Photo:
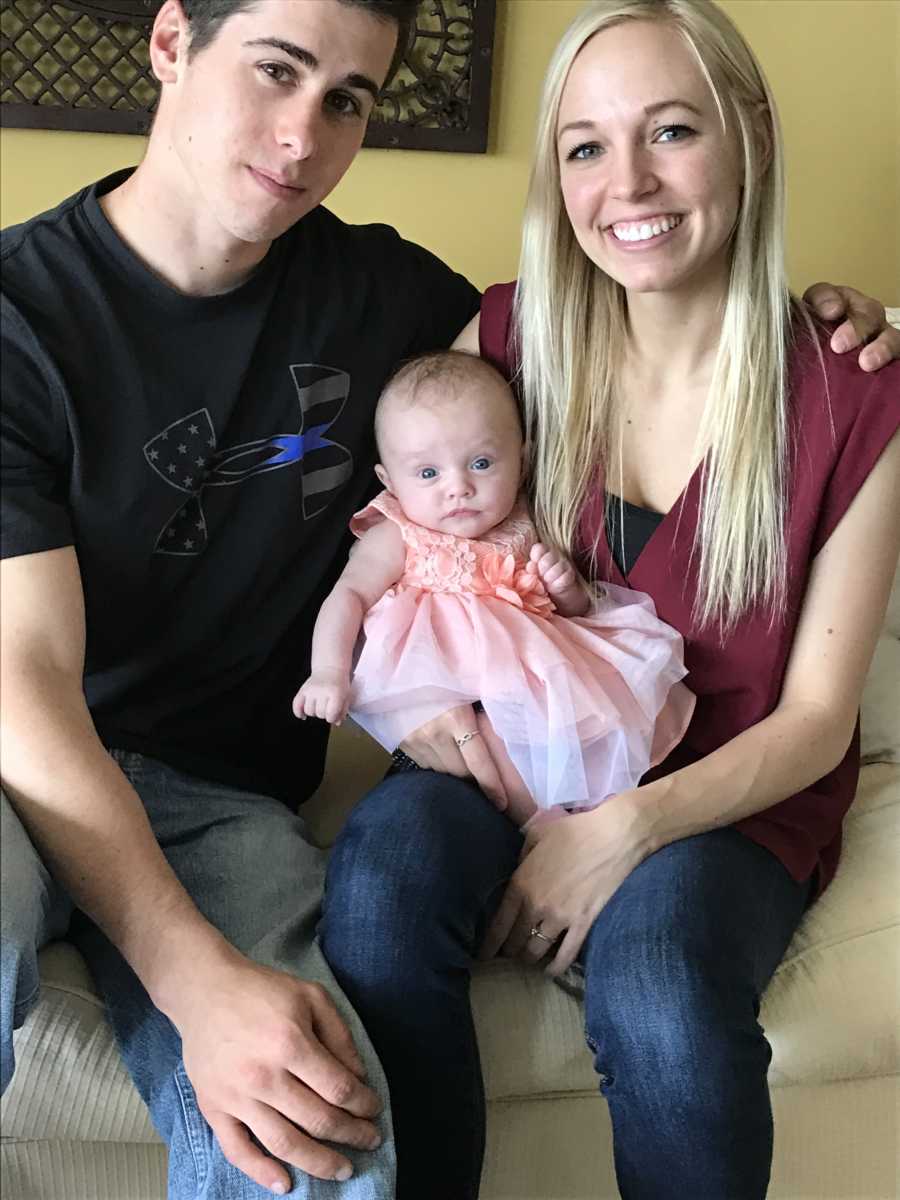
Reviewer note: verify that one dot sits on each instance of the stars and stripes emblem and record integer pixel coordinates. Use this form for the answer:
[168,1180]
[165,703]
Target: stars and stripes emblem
[187,456]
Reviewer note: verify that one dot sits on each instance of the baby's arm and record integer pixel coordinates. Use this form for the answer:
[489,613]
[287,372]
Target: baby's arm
[375,564]
[563,583]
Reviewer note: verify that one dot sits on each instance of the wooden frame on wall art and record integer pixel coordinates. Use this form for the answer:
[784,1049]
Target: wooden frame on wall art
[84,65]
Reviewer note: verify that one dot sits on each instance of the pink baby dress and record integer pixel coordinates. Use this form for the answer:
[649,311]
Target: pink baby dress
[584,705]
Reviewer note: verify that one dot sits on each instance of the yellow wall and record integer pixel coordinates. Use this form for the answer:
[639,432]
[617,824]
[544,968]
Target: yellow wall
[834,66]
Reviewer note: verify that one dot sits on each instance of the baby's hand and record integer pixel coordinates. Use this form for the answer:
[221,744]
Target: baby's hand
[560,578]
[325,695]
[557,573]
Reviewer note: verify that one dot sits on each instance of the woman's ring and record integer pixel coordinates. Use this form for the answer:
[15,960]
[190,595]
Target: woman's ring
[465,737]
[536,932]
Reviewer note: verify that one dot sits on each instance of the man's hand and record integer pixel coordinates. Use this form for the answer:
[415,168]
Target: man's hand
[866,324]
[269,1056]
[326,695]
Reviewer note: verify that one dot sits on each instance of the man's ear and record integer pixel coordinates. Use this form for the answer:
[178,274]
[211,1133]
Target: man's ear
[383,478]
[169,41]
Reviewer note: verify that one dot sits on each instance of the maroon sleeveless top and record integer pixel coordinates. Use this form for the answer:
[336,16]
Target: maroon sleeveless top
[739,683]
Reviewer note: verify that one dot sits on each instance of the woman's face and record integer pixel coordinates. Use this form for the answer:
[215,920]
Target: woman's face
[650,180]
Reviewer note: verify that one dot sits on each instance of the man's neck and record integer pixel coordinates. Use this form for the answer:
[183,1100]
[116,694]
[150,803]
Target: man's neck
[160,223]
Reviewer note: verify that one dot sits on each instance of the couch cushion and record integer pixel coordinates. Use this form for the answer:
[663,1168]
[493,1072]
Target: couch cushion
[70,1082]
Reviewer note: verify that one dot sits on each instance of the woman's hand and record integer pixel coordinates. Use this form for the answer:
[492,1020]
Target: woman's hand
[866,324]
[462,742]
[568,871]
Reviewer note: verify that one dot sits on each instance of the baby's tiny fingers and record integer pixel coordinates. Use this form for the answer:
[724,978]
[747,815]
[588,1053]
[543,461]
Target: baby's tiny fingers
[557,573]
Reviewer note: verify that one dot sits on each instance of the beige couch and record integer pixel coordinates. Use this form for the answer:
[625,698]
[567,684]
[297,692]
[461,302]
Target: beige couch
[73,1127]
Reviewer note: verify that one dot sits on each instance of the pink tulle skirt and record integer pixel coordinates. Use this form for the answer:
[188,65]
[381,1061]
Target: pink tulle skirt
[584,705]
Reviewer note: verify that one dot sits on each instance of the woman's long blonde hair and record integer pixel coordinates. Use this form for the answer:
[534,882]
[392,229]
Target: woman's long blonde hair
[570,323]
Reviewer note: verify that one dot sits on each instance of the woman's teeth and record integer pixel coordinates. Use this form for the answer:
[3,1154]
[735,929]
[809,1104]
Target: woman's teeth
[642,231]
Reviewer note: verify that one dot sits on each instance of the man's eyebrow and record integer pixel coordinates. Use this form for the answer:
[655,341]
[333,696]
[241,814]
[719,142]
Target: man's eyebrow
[649,111]
[354,80]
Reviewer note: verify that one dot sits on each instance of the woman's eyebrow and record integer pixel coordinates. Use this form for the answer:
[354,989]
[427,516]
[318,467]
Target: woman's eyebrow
[308,59]
[649,111]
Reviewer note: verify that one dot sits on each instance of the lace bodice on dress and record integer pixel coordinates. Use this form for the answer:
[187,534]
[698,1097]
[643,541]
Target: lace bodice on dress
[443,562]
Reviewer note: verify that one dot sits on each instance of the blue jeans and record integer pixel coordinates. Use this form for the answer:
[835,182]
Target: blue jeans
[247,863]
[675,966]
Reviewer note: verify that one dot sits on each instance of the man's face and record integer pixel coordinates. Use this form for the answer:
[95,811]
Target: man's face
[268,117]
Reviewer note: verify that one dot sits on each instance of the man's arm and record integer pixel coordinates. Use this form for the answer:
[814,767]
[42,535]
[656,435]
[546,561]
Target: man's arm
[266,1053]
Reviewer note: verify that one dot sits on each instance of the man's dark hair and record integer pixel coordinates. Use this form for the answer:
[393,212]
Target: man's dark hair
[206,18]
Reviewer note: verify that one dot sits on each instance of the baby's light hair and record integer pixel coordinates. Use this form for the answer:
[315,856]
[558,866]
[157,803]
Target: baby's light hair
[450,369]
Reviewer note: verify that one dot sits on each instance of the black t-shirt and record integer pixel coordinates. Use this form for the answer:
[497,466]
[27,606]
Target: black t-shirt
[204,456]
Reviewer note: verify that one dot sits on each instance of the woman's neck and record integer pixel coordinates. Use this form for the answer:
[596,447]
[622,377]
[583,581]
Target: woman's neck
[674,336]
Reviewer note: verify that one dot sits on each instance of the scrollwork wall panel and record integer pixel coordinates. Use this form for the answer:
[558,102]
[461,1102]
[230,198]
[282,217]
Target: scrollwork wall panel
[84,64]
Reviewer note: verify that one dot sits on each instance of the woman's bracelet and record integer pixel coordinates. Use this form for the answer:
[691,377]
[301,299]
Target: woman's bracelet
[402,762]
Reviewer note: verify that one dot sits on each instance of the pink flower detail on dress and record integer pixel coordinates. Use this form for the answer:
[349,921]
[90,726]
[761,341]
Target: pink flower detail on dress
[502,577]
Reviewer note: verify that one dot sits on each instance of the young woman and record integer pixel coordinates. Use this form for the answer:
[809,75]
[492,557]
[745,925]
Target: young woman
[694,437]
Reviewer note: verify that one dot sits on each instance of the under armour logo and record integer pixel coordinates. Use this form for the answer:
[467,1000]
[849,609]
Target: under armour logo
[187,457]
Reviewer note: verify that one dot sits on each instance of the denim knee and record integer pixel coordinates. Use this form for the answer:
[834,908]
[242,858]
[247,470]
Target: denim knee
[419,862]
[667,1013]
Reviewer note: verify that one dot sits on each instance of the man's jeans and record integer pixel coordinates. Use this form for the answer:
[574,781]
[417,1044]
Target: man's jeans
[675,966]
[247,864]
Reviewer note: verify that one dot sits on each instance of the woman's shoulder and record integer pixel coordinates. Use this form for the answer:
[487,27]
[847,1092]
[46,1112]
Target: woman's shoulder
[843,418]
[495,327]
[834,402]
[818,372]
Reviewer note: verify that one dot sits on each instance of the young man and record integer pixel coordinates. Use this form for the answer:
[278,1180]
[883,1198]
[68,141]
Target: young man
[191,356]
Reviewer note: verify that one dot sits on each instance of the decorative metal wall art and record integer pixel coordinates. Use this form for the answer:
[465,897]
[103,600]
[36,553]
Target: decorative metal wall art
[84,64]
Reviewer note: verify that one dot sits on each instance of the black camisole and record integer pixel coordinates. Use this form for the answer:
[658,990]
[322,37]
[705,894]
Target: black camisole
[638,527]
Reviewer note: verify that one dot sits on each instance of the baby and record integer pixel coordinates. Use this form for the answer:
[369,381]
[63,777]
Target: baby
[459,602]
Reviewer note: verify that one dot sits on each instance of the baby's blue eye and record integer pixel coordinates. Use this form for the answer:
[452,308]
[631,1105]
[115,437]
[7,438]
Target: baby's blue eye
[481,464]
[428,473]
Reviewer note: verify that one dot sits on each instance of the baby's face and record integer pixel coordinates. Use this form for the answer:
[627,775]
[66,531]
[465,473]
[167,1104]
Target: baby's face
[454,460]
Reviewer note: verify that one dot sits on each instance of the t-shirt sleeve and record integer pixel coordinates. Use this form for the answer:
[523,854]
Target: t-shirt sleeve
[495,327]
[442,300]
[866,409]
[33,444]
